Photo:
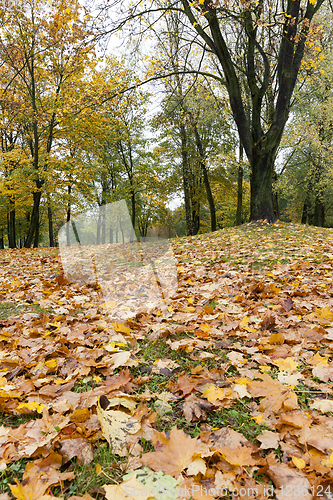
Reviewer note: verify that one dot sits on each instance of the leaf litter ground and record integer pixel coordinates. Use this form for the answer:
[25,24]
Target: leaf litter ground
[226,392]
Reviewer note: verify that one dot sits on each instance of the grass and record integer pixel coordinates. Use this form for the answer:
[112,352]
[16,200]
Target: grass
[237,417]
[106,468]
[13,471]
[8,309]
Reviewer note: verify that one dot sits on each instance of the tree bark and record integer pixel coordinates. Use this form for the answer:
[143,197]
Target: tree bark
[209,193]
[275,197]
[34,219]
[11,229]
[68,216]
[319,212]
[50,219]
[239,211]
[190,216]
[261,204]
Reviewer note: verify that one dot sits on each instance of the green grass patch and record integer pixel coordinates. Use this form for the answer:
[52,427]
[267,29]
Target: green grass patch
[12,472]
[8,309]
[88,479]
[238,418]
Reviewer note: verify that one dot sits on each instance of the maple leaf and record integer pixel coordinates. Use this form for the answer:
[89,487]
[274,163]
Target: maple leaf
[174,453]
[275,395]
[241,456]
[288,479]
[36,481]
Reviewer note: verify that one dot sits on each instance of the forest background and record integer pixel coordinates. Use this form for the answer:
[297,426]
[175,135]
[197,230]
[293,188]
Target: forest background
[201,116]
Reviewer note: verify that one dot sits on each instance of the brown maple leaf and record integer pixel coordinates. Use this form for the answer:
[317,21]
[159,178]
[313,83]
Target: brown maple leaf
[175,453]
[241,456]
[275,395]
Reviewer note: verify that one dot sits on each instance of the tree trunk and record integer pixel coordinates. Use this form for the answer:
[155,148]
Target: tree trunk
[34,219]
[262,166]
[275,197]
[36,239]
[68,216]
[11,229]
[2,246]
[319,213]
[50,218]
[305,212]
[240,173]
[191,209]
[206,179]
[133,214]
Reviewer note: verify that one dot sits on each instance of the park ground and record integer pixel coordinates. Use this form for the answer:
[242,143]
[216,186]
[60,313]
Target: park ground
[228,390]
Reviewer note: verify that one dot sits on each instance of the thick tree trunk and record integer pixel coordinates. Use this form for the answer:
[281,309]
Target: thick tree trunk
[261,204]
[275,197]
[36,239]
[319,213]
[2,246]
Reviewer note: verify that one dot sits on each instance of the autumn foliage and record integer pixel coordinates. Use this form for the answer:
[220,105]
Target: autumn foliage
[226,390]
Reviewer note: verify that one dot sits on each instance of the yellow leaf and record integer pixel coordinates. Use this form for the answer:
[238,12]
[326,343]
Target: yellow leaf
[51,363]
[319,360]
[32,406]
[298,462]
[259,419]
[98,469]
[276,338]
[114,346]
[204,327]
[119,327]
[214,393]
[324,313]
[287,364]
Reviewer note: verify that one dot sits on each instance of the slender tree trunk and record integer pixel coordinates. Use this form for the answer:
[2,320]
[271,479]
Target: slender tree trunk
[11,229]
[2,246]
[191,206]
[203,167]
[50,218]
[239,211]
[305,212]
[133,207]
[34,219]
[68,216]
